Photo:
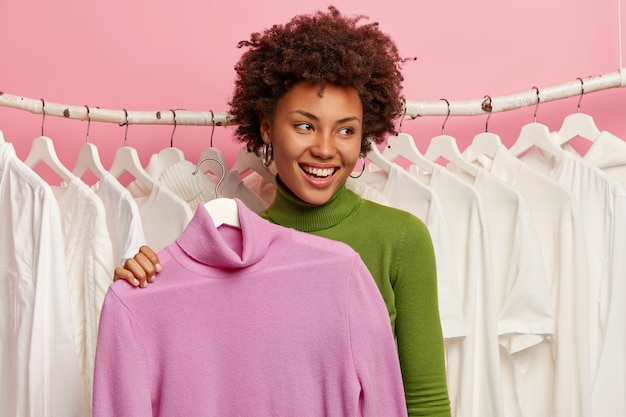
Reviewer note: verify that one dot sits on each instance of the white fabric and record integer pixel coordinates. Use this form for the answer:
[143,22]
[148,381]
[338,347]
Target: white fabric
[122,217]
[473,370]
[522,297]
[164,215]
[552,377]
[40,374]
[607,152]
[89,257]
[178,177]
[403,191]
[603,203]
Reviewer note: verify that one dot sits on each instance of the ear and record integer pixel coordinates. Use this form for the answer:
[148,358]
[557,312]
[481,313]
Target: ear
[265,130]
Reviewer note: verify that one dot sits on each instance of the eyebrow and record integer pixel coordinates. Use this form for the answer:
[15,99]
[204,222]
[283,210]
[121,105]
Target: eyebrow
[314,117]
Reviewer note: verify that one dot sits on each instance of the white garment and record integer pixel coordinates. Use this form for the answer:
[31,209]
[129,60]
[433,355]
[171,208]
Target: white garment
[89,257]
[164,215]
[234,187]
[260,186]
[603,203]
[522,297]
[473,369]
[122,217]
[552,376]
[607,152]
[403,191]
[178,177]
[40,374]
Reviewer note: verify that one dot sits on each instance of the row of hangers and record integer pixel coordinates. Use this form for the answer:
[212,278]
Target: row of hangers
[485,143]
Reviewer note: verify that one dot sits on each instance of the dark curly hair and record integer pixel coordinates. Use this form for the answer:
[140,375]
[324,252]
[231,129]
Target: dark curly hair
[323,48]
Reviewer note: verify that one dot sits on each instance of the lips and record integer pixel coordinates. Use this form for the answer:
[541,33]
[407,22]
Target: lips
[318,173]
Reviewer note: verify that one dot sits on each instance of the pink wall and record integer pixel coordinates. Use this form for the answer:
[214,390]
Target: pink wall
[146,55]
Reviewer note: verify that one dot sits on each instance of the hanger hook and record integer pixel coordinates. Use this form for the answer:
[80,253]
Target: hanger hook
[582,92]
[43,111]
[212,128]
[486,106]
[88,123]
[403,116]
[217,186]
[443,125]
[536,105]
[126,123]
[173,130]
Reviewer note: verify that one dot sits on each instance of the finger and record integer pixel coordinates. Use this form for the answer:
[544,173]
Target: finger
[145,269]
[125,274]
[152,257]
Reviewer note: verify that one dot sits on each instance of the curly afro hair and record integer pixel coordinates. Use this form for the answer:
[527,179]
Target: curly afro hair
[323,48]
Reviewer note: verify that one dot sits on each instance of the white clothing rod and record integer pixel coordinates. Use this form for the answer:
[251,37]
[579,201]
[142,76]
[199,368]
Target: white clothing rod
[413,108]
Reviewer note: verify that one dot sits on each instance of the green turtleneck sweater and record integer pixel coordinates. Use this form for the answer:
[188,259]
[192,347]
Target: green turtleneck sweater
[397,249]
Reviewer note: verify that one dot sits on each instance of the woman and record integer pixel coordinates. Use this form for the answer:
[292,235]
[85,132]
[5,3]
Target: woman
[309,96]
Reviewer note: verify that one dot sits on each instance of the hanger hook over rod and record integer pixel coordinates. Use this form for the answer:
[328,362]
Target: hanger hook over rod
[443,125]
[126,123]
[88,123]
[43,111]
[217,186]
[486,106]
[582,92]
[536,105]
[212,128]
[173,130]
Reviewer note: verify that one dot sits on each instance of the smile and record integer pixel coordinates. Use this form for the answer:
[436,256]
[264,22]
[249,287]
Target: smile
[320,173]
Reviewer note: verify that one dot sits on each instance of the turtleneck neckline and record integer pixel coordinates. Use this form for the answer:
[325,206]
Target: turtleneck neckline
[288,210]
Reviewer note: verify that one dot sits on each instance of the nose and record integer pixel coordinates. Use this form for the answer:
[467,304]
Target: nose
[323,146]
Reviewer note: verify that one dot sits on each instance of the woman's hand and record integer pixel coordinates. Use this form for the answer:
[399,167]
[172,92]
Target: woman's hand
[140,269]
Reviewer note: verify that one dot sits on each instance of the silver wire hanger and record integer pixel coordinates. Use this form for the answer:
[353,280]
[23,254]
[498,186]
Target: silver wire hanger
[222,210]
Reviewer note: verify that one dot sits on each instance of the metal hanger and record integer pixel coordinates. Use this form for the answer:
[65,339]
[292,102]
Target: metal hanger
[222,210]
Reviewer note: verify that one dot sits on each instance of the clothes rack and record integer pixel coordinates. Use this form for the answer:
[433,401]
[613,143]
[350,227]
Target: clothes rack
[615,79]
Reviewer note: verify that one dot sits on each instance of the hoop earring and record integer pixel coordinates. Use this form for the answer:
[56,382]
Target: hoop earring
[268,154]
[362,167]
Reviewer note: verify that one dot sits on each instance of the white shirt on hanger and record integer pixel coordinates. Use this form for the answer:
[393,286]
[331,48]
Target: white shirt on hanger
[603,203]
[122,217]
[40,374]
[473,368]
[89,257]
[403,191]
[164,215]
[552,370]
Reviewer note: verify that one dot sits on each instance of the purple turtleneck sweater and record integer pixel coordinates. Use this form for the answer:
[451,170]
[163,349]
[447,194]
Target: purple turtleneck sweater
[260,320]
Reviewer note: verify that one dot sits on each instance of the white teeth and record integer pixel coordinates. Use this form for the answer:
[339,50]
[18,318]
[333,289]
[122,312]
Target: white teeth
[320,172]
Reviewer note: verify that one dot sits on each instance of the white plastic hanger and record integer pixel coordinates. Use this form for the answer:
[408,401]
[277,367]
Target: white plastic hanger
[535,134]
[578,124]
[376,157]
[403,145]
[1,137]
[222,210]
[88,158]
[42,150]
[445,146]
[249,161]
[171,155]
[126,159]
[484,143]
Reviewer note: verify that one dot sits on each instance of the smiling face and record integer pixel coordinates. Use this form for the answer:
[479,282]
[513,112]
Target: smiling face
[316,140]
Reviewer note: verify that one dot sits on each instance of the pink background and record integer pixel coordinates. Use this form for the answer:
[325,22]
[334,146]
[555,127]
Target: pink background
[147,55]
